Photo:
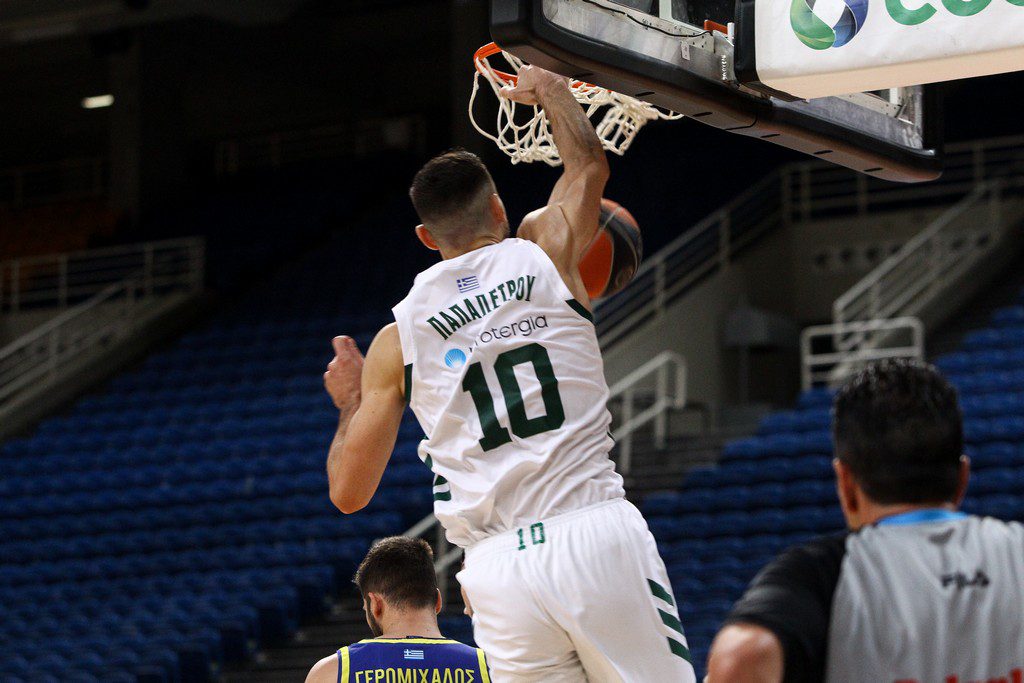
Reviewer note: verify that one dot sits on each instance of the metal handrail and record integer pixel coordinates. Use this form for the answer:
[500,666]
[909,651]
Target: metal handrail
[124,285]
[667,364]
[868,316]
[930,262]
[709,244]
[272,150]
[61,280]
[38,354]
[804,191]
[840,363]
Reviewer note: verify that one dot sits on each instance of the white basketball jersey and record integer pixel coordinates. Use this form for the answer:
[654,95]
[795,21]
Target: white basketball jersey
[504,374]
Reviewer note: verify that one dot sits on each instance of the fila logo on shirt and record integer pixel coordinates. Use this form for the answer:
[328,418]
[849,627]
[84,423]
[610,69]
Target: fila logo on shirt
[959,580]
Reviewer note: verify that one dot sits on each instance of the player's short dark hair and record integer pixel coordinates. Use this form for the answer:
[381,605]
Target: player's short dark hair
[897,425]
[402,570]
[447,187]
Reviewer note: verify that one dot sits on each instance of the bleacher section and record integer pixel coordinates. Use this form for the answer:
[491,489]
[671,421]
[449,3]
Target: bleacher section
[777,489]
[179,519]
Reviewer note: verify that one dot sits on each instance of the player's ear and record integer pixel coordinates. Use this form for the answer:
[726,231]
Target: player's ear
[437,603]
[497,208]
[428,240]
[964,479]
[846,488]
[376,605]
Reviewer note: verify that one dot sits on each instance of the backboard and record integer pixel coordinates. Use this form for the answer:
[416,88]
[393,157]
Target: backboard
[649,49]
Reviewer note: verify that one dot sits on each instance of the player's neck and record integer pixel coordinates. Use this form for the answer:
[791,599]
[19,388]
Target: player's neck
[874,512]
[478,243]
[412,625]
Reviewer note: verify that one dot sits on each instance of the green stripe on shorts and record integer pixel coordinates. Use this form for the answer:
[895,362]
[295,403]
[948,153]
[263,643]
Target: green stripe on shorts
[671,621]
[679,650]
[659,592]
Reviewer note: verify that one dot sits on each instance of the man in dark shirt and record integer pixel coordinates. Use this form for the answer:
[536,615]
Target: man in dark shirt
[916,592]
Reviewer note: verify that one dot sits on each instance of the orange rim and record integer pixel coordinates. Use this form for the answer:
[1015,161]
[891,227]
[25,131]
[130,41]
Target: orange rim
[491,49]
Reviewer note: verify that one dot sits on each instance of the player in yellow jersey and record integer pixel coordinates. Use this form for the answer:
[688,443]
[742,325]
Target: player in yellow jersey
[401,601]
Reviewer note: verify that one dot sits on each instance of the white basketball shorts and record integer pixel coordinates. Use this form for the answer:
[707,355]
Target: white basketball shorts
[582,596]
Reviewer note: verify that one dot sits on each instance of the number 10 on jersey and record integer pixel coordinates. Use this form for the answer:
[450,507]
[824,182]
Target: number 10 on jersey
[522,426]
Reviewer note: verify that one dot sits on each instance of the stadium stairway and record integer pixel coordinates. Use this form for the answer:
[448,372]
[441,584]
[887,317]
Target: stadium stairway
[776,489]
[652,466]
[175,522]
[343,624]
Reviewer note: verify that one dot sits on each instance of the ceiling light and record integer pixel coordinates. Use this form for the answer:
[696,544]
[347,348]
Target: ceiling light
[98,101]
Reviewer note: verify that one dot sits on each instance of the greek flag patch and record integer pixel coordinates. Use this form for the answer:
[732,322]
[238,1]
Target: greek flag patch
[467,284]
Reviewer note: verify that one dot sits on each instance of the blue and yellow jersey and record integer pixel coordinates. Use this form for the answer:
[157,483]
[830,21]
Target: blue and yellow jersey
[411,660]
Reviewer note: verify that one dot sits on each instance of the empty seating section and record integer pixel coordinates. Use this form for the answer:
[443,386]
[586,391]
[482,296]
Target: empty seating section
[776,489]
[179,518]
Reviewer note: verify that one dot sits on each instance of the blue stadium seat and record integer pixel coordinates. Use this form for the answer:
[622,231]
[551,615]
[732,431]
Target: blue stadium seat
[175,519]
[1008,316]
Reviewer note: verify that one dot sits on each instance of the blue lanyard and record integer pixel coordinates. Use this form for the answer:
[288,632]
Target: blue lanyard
[920,517]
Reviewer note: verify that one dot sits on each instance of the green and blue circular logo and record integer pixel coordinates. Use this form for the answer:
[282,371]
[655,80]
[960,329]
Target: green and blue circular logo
[818,35]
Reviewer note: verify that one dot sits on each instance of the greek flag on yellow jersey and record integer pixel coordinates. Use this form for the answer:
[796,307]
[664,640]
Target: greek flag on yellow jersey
[504,374]
[411,660]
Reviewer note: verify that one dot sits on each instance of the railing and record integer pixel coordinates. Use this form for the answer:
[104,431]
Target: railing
[40,355]
[796,192]
[669,371]
[897,338]
[358,138]
[870,317]
[108,312]
[919,272]
[62,280]
[696,253]
[817,190]
[61,181]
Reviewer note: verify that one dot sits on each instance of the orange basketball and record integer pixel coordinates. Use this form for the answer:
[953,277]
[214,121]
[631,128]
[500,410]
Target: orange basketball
[613,257]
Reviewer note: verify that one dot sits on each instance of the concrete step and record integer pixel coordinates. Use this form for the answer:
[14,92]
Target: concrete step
[343,625]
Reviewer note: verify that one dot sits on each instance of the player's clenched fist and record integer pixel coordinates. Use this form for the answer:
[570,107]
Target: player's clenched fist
[344,374]
[531,83]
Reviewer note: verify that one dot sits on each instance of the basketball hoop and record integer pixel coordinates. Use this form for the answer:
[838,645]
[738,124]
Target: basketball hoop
[529,139]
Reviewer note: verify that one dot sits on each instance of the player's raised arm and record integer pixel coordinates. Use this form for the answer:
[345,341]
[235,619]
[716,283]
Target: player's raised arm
[576,197]
[370,401]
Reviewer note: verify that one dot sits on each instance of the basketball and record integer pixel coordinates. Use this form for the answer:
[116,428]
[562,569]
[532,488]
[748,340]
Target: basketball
[614,256]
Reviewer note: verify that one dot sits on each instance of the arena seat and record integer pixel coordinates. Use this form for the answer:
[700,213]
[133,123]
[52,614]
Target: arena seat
[178,519]
[776,488]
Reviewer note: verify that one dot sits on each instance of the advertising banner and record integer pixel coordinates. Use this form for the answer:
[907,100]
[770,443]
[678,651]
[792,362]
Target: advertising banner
[819,48]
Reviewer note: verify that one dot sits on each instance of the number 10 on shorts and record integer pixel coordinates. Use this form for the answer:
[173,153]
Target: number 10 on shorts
[536,535]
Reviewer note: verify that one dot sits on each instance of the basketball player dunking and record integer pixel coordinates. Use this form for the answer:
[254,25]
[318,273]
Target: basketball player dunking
[495,350]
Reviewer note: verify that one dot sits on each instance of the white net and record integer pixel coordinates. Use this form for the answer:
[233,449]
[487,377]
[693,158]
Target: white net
[523,131]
